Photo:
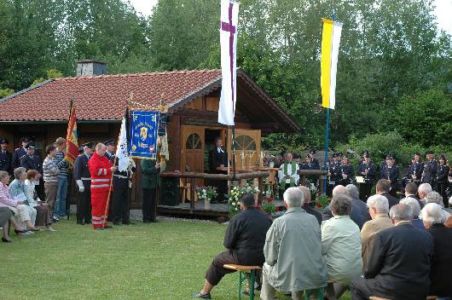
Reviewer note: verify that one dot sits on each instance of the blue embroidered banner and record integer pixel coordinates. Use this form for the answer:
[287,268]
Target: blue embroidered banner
[143,134]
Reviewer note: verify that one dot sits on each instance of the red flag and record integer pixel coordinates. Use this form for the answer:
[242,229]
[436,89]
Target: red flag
[71,138]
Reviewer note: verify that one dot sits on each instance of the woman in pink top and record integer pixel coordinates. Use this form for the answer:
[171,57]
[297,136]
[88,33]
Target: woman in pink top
[7,201]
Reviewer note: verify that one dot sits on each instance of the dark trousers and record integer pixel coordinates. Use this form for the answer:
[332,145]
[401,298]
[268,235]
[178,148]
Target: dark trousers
[149,205]
[84,206]
[364,191]
[216,270]
[120,205]
[442,187]
[361,290]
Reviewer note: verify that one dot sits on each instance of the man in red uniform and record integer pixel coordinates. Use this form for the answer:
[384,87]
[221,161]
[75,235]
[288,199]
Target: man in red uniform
[100,169]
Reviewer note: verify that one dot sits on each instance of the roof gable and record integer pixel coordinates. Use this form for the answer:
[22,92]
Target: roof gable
[105,97]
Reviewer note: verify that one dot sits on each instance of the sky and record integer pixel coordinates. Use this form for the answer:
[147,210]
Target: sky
[443,11]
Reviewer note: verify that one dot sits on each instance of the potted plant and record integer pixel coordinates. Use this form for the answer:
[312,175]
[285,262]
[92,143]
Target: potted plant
[206,193]
[322,201]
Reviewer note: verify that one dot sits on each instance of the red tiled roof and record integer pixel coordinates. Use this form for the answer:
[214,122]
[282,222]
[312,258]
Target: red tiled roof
[104,97]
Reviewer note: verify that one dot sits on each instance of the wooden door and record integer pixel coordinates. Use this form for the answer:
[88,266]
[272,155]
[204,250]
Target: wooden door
[248,148]
[192,150]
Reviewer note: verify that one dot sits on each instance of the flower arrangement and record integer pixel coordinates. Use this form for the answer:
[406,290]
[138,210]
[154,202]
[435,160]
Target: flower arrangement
[236,193]
[206,193]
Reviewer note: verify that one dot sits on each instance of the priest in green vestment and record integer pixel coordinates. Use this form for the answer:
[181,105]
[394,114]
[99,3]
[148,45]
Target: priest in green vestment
[288,173]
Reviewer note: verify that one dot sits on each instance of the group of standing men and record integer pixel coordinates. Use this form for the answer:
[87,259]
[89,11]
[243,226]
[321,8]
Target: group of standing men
[341,172]
[96,176]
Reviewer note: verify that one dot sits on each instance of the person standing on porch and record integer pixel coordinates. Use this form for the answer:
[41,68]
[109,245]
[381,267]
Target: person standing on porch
[100,169]
[218,159]
[150,170]
[288,173]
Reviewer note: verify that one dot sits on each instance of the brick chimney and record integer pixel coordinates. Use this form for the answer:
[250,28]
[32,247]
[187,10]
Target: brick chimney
[91,67]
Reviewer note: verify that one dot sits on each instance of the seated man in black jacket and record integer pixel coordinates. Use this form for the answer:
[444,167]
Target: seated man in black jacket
[398,263]
[244,241]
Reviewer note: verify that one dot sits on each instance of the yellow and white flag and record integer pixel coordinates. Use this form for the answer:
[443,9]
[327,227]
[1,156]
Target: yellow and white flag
[331,36]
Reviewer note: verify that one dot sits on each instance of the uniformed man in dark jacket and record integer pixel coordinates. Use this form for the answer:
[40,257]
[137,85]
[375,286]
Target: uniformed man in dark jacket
[347,172]
[6,158]
[430,169]
[368,171]
[111,151]
[20,152]
[335,172]
[120,200]
[244,241]
[150,181]
[390,172]
[415,169]
[442,178]
[31,161]
[83,179]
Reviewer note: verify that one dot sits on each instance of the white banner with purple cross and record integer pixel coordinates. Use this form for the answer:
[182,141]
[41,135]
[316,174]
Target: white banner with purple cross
[228,42]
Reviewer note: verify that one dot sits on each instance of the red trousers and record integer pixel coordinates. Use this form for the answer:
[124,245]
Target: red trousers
[99,198]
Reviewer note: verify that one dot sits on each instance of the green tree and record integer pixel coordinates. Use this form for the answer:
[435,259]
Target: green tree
[425,118]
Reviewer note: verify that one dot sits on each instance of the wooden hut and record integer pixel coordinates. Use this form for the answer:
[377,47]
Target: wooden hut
[191,99]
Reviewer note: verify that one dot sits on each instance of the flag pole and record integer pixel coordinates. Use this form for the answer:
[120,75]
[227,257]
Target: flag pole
[114,162]
[327,128]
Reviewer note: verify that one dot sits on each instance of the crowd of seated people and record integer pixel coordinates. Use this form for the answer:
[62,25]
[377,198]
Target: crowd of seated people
[391,250]
[20,205]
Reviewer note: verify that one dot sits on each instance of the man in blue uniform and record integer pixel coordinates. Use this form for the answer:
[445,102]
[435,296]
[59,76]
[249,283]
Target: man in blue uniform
[6,157]
[368,171]
[20,152]
[335,173]
[83,179]
[390,172]
[430,169]
[347,172]
[415,169]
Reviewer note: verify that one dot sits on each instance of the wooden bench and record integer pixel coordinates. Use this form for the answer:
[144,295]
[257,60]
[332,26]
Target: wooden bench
[243,271]
[381,298]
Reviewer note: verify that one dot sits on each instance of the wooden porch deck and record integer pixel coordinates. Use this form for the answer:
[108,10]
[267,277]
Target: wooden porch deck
[214,210]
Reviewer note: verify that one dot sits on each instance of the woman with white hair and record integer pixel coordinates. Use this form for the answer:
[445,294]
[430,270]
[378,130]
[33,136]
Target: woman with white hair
[433,219]
[17,191]
[416,210]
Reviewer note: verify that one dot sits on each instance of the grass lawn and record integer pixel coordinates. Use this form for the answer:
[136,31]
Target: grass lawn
[166,260]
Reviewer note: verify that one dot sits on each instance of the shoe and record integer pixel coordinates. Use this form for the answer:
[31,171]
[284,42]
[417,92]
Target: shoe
[18,232]
[49,228]
[6,240]
[202,296]
[35,229]
[55,220]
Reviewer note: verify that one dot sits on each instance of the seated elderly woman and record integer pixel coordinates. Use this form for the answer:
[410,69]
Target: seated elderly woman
[435,197]
[433,219]
[17,191]
[15,206]
[416,210]
[42,211]
[341,246]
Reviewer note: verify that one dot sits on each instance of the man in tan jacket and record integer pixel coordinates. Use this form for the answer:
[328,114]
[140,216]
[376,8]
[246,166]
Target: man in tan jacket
[378,209]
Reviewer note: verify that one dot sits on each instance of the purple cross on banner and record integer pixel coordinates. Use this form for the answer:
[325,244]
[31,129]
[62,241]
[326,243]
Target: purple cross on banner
[229,19]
